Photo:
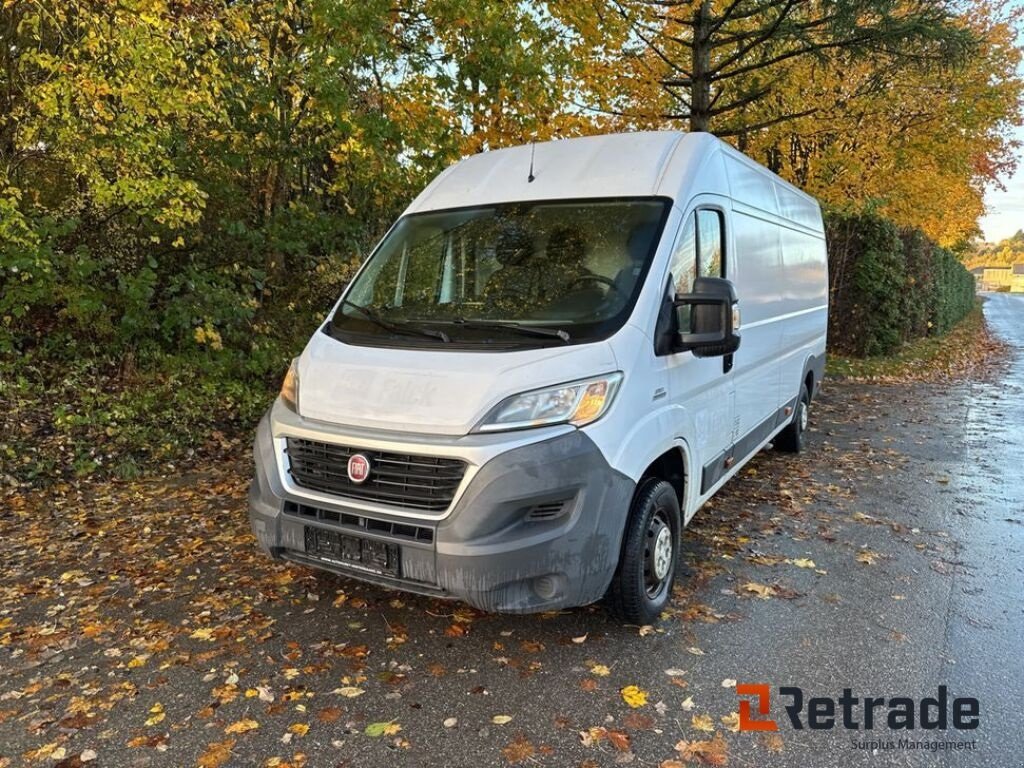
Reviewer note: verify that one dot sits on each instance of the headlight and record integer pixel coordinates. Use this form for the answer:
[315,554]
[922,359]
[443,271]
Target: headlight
[290,386]
[578,402]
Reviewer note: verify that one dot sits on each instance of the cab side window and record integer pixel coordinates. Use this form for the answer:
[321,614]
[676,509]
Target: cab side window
[710,230]
[700,249]
[683,265]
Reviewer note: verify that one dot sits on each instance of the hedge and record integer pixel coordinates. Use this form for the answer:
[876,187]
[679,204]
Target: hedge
[889,285]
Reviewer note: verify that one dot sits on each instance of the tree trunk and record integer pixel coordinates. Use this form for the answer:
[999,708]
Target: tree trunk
[700,91]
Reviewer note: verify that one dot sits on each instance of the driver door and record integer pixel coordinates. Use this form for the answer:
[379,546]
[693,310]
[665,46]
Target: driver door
[703,388]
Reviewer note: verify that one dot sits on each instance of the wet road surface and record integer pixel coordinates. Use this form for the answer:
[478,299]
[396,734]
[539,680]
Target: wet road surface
[138,626]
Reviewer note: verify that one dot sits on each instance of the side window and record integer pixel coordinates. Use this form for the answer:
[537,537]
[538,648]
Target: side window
[683,265]
[710,229]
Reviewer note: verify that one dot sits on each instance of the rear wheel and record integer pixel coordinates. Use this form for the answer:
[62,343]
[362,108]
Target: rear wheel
[791,439]
[642,584]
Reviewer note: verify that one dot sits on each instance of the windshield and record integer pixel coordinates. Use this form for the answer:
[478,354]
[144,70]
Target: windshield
[527,274]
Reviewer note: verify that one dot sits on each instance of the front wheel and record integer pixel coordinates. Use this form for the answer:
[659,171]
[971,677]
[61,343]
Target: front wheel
[642,584]
[791,439]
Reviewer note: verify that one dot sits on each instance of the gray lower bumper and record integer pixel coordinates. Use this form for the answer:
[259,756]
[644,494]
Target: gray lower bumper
[538,528]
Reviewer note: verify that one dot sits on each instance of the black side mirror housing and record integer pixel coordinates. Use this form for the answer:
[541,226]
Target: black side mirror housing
[705,318]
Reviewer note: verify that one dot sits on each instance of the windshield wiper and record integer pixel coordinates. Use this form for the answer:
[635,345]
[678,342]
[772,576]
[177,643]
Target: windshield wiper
[387,325]
[526,330]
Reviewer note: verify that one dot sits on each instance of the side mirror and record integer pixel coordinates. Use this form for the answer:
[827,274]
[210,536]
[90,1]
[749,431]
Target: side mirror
[705,318]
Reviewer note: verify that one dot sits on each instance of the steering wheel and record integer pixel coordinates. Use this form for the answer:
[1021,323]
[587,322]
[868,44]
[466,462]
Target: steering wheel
[607,281]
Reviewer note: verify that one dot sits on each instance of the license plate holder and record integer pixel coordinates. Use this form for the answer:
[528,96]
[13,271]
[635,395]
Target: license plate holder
[368,555]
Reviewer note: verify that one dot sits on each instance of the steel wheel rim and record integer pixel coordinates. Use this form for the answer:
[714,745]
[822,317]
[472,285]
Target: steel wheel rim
[659,554]
[803,416]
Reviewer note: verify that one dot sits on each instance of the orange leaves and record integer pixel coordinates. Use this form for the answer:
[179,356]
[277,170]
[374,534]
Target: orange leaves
[518,750]
[638,721]
[216,754]
[714,752]
[618,739]
[867,557]
[242,726]
[761,590]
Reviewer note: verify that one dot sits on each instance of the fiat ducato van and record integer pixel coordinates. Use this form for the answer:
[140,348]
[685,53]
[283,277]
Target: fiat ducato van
[555,356]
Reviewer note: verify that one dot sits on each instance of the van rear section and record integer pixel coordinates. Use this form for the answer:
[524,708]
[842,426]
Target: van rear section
[549,363]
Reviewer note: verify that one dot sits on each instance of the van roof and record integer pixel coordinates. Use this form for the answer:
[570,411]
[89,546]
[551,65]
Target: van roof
[640,164]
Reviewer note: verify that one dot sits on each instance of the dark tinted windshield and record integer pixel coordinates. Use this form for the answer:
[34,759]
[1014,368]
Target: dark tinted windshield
[526,274]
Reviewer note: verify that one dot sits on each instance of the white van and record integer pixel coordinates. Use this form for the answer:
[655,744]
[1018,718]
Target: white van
[549,363]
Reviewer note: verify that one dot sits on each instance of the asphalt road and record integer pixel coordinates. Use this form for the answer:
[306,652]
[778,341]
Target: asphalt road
[138,627]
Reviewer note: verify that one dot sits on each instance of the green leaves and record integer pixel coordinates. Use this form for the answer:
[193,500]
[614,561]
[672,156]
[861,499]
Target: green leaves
[896,285]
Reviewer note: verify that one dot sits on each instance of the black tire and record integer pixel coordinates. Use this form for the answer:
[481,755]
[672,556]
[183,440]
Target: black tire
[791,439]
[642,584]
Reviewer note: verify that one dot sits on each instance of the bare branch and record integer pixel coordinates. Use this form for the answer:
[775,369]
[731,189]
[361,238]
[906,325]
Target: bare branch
[765,123]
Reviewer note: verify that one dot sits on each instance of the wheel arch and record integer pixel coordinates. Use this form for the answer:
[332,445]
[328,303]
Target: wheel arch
[813,373]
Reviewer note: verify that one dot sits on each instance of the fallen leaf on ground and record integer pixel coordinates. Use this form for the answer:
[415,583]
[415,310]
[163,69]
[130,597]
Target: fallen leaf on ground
[329,715]
[703,723]
[377,730]
[217,754]
[634,696]
[638,721]
[763,591]
[518,750]
[714,752]
[242,726]
[618,739]
[156,713]
[773,742]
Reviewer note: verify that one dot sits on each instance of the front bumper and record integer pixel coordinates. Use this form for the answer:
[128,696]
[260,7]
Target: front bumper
[537,527]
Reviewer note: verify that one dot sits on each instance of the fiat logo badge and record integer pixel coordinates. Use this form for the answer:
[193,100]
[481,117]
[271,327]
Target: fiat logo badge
[358,468]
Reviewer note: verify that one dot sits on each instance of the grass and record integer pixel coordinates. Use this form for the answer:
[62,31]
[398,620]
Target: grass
[964,349]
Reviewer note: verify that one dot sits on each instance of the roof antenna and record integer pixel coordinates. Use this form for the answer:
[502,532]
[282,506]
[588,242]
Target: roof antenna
[533,149]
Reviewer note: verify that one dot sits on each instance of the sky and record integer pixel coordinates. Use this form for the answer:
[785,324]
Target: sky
[1005,208]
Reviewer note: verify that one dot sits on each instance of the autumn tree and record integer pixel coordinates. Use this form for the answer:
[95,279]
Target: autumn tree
[713,59]
[920,144]
[175,172]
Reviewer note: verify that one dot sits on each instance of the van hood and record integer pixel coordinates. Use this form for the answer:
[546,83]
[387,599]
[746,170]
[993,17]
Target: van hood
[431,391]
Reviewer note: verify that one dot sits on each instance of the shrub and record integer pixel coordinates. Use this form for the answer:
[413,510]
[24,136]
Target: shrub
[888,286]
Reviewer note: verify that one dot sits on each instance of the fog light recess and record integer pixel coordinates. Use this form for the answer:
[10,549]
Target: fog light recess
[546,587]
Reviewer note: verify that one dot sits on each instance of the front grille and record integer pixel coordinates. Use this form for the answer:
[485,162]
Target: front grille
[358,523]
[397,479]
